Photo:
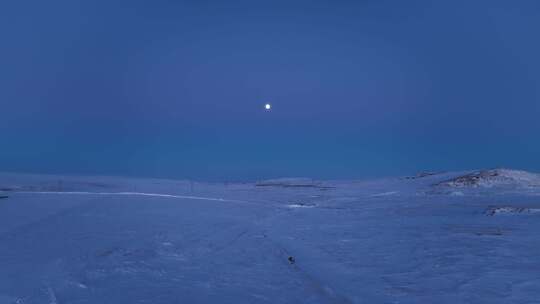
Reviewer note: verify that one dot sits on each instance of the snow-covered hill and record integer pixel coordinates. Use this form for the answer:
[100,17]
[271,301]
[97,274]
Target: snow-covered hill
[117,240]
[296,182]
[494,178]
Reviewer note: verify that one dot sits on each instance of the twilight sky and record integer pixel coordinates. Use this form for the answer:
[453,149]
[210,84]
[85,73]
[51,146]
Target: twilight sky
[359,88]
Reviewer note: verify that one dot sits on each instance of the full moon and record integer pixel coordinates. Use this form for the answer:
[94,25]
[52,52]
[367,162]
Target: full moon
[268,107]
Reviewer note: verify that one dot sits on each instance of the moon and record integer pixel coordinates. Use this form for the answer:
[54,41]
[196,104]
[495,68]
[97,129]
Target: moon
[267,107]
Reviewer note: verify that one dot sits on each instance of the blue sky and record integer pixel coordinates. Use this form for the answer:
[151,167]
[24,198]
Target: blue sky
[358,88]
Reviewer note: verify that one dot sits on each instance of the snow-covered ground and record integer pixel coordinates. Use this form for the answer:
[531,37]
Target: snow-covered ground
[461,237]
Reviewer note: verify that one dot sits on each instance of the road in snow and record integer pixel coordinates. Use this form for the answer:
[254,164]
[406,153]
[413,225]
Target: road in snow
[386,241]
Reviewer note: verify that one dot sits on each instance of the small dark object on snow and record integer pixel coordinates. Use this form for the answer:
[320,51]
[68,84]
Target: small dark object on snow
[291,260]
